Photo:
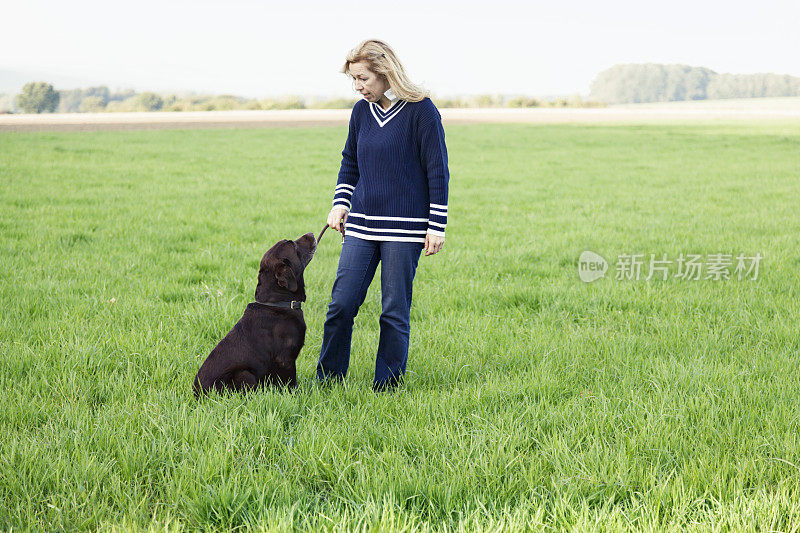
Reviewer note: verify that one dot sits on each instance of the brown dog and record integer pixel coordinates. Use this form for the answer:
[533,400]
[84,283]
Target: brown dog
[263,346]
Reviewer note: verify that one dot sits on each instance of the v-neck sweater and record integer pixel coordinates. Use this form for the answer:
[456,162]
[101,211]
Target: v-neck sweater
[394,177]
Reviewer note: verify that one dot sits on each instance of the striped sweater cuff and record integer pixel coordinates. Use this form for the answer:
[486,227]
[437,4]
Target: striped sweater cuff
[437,219]
[342,195]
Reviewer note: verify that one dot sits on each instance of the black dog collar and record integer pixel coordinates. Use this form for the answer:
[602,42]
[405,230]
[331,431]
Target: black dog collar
[294,304]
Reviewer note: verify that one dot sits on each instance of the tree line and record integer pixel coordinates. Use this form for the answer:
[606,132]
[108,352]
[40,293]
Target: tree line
[653,82]
[42,97]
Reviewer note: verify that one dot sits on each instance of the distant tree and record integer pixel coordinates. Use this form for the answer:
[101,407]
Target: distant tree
[149,102]
[101,92]
[181,104]
[332,103]
[289,102]
[224,102]
[129,104]
[70,100]
[523,101]
[121,96]
[651,82]
[292,102]
[753,86]
[38,97]
[725,86]
[647,82]
[696,83]
[8,103]
[452,102]
[92,104]
[169,101]
[485,100]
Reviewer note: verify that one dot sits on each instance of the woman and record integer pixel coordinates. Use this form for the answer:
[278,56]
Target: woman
[390,201]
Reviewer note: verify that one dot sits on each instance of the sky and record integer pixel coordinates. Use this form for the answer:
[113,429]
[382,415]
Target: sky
[269,49]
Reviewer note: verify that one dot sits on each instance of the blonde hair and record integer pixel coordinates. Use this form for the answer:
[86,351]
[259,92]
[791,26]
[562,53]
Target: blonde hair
[381,60]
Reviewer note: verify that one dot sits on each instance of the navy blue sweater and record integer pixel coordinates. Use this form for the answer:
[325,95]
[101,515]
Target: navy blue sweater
[394,176]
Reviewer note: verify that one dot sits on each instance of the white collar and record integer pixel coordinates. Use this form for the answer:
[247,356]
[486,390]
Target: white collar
[391,96]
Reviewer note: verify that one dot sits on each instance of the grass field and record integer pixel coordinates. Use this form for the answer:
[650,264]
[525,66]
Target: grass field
[533,400]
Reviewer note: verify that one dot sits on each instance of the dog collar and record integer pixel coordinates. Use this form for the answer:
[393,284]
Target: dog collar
[294,304]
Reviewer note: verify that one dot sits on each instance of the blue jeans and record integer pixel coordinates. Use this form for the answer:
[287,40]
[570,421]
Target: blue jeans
[357,264]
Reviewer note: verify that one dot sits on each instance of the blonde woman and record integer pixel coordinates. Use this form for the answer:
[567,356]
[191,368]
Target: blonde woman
[391,203]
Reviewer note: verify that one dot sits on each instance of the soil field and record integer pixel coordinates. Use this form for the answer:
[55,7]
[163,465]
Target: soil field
[667,112]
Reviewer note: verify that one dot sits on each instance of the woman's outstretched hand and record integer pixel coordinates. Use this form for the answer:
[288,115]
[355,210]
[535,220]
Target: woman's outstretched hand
[337,217]
[433,243]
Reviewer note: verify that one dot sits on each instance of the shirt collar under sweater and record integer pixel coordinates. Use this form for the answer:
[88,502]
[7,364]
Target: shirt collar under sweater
[393,99]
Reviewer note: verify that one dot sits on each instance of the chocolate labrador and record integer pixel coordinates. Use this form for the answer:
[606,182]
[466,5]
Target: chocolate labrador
[263,346]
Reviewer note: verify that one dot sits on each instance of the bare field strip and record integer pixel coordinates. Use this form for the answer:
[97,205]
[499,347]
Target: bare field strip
[336,117]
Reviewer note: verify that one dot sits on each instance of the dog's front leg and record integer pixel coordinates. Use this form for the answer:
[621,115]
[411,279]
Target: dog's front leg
[244,380]
[285,374]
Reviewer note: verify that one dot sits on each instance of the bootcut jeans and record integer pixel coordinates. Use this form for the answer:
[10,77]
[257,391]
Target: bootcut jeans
[357,264]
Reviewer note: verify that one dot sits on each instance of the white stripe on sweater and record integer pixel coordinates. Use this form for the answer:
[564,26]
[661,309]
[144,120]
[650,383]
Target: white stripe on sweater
[342,202]
[390,114]
[383,238]
[349,225]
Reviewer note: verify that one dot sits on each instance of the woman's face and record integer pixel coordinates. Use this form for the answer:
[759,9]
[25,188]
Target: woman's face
[367,83]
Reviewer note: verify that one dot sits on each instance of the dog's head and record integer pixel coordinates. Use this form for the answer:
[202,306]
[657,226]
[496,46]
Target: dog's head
[281,269]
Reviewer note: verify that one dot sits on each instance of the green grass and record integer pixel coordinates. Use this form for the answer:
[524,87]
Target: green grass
[533,400]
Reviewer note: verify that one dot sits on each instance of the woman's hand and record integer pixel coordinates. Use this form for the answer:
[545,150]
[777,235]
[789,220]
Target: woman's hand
[337,217]
[433,243]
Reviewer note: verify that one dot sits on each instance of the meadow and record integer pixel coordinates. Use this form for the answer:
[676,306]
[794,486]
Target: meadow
[533,400]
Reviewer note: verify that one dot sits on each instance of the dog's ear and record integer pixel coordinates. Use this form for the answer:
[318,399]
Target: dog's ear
[285,275]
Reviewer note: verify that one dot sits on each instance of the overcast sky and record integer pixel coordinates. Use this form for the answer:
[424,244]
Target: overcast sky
[261,49]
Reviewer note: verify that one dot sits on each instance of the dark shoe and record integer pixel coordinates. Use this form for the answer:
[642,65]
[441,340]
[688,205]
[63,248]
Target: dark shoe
[386,386]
